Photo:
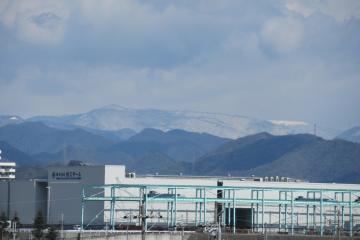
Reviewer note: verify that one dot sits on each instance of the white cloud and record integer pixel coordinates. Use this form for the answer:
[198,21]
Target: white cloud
[41,22]
[340,10]
[283,33]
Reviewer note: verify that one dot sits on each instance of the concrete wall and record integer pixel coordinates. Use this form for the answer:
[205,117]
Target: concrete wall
[26,198]
[114,174]
[41,198]
[66,185]
[3,197]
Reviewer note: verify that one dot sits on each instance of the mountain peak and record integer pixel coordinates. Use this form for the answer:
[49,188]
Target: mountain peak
[261,135]
[9,119]
[148,134]
[114,107]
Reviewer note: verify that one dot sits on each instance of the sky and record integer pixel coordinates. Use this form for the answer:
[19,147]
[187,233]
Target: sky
[284,59]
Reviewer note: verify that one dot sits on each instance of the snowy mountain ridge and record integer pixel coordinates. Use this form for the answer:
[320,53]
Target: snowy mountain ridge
[114,117]
[9,119]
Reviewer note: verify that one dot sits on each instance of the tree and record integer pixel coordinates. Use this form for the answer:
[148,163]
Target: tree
[52,234]
[3,224]
[39,226]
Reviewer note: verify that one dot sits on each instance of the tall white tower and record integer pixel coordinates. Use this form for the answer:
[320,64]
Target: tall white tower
[7,169]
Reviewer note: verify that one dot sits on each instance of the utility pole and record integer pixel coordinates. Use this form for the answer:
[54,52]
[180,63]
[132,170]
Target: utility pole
[65,154]
[265,232]
[13,230]
[62,226]
[48,205]
[127,227]
[143,213]
[338,225]
[219,231]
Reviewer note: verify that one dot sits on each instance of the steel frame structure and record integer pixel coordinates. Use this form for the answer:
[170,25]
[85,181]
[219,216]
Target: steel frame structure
[343,202]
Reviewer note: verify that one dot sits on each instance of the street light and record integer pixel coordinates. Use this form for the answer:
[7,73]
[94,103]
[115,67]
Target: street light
[48,205]
[128,216]
[62,226]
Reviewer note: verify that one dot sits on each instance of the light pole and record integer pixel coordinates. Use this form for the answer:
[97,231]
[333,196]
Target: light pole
[48,205]
[128,216]
[62,226]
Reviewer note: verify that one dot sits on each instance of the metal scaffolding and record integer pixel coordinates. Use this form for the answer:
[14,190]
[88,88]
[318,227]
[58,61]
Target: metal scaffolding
[286,209]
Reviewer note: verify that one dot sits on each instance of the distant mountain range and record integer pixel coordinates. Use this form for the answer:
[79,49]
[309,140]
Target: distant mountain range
[115,118]
[34,145]
[352,135]
[300,156]
[36,137]
[250,152]
[320,161]
[151,149]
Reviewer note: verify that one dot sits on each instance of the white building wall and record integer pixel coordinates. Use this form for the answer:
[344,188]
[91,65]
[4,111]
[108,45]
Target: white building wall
[66,191]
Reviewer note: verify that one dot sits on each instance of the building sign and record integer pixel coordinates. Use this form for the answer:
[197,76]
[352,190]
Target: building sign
[68,175]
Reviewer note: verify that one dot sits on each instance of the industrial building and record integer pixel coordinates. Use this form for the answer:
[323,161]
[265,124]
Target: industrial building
[95,196]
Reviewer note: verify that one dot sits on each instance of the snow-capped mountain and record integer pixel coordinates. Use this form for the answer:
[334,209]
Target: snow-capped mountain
[114,117]
[9,119]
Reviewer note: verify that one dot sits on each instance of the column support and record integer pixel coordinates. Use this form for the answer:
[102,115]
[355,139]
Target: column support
[342,210]
[252,210]
[204,199]
[321,214]
[280,211]
[112,208]
[82,208]
[145,210]
[228,209]
[286,211]
[234,213]
[257,211]
[262,211]
[292,213]
[350,215]
[196,207]
[175,209]
[307,213]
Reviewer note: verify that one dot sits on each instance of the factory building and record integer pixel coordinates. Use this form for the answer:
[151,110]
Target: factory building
[94,196]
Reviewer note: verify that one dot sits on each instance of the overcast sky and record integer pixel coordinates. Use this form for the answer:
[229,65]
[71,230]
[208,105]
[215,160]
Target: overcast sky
[288,60]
